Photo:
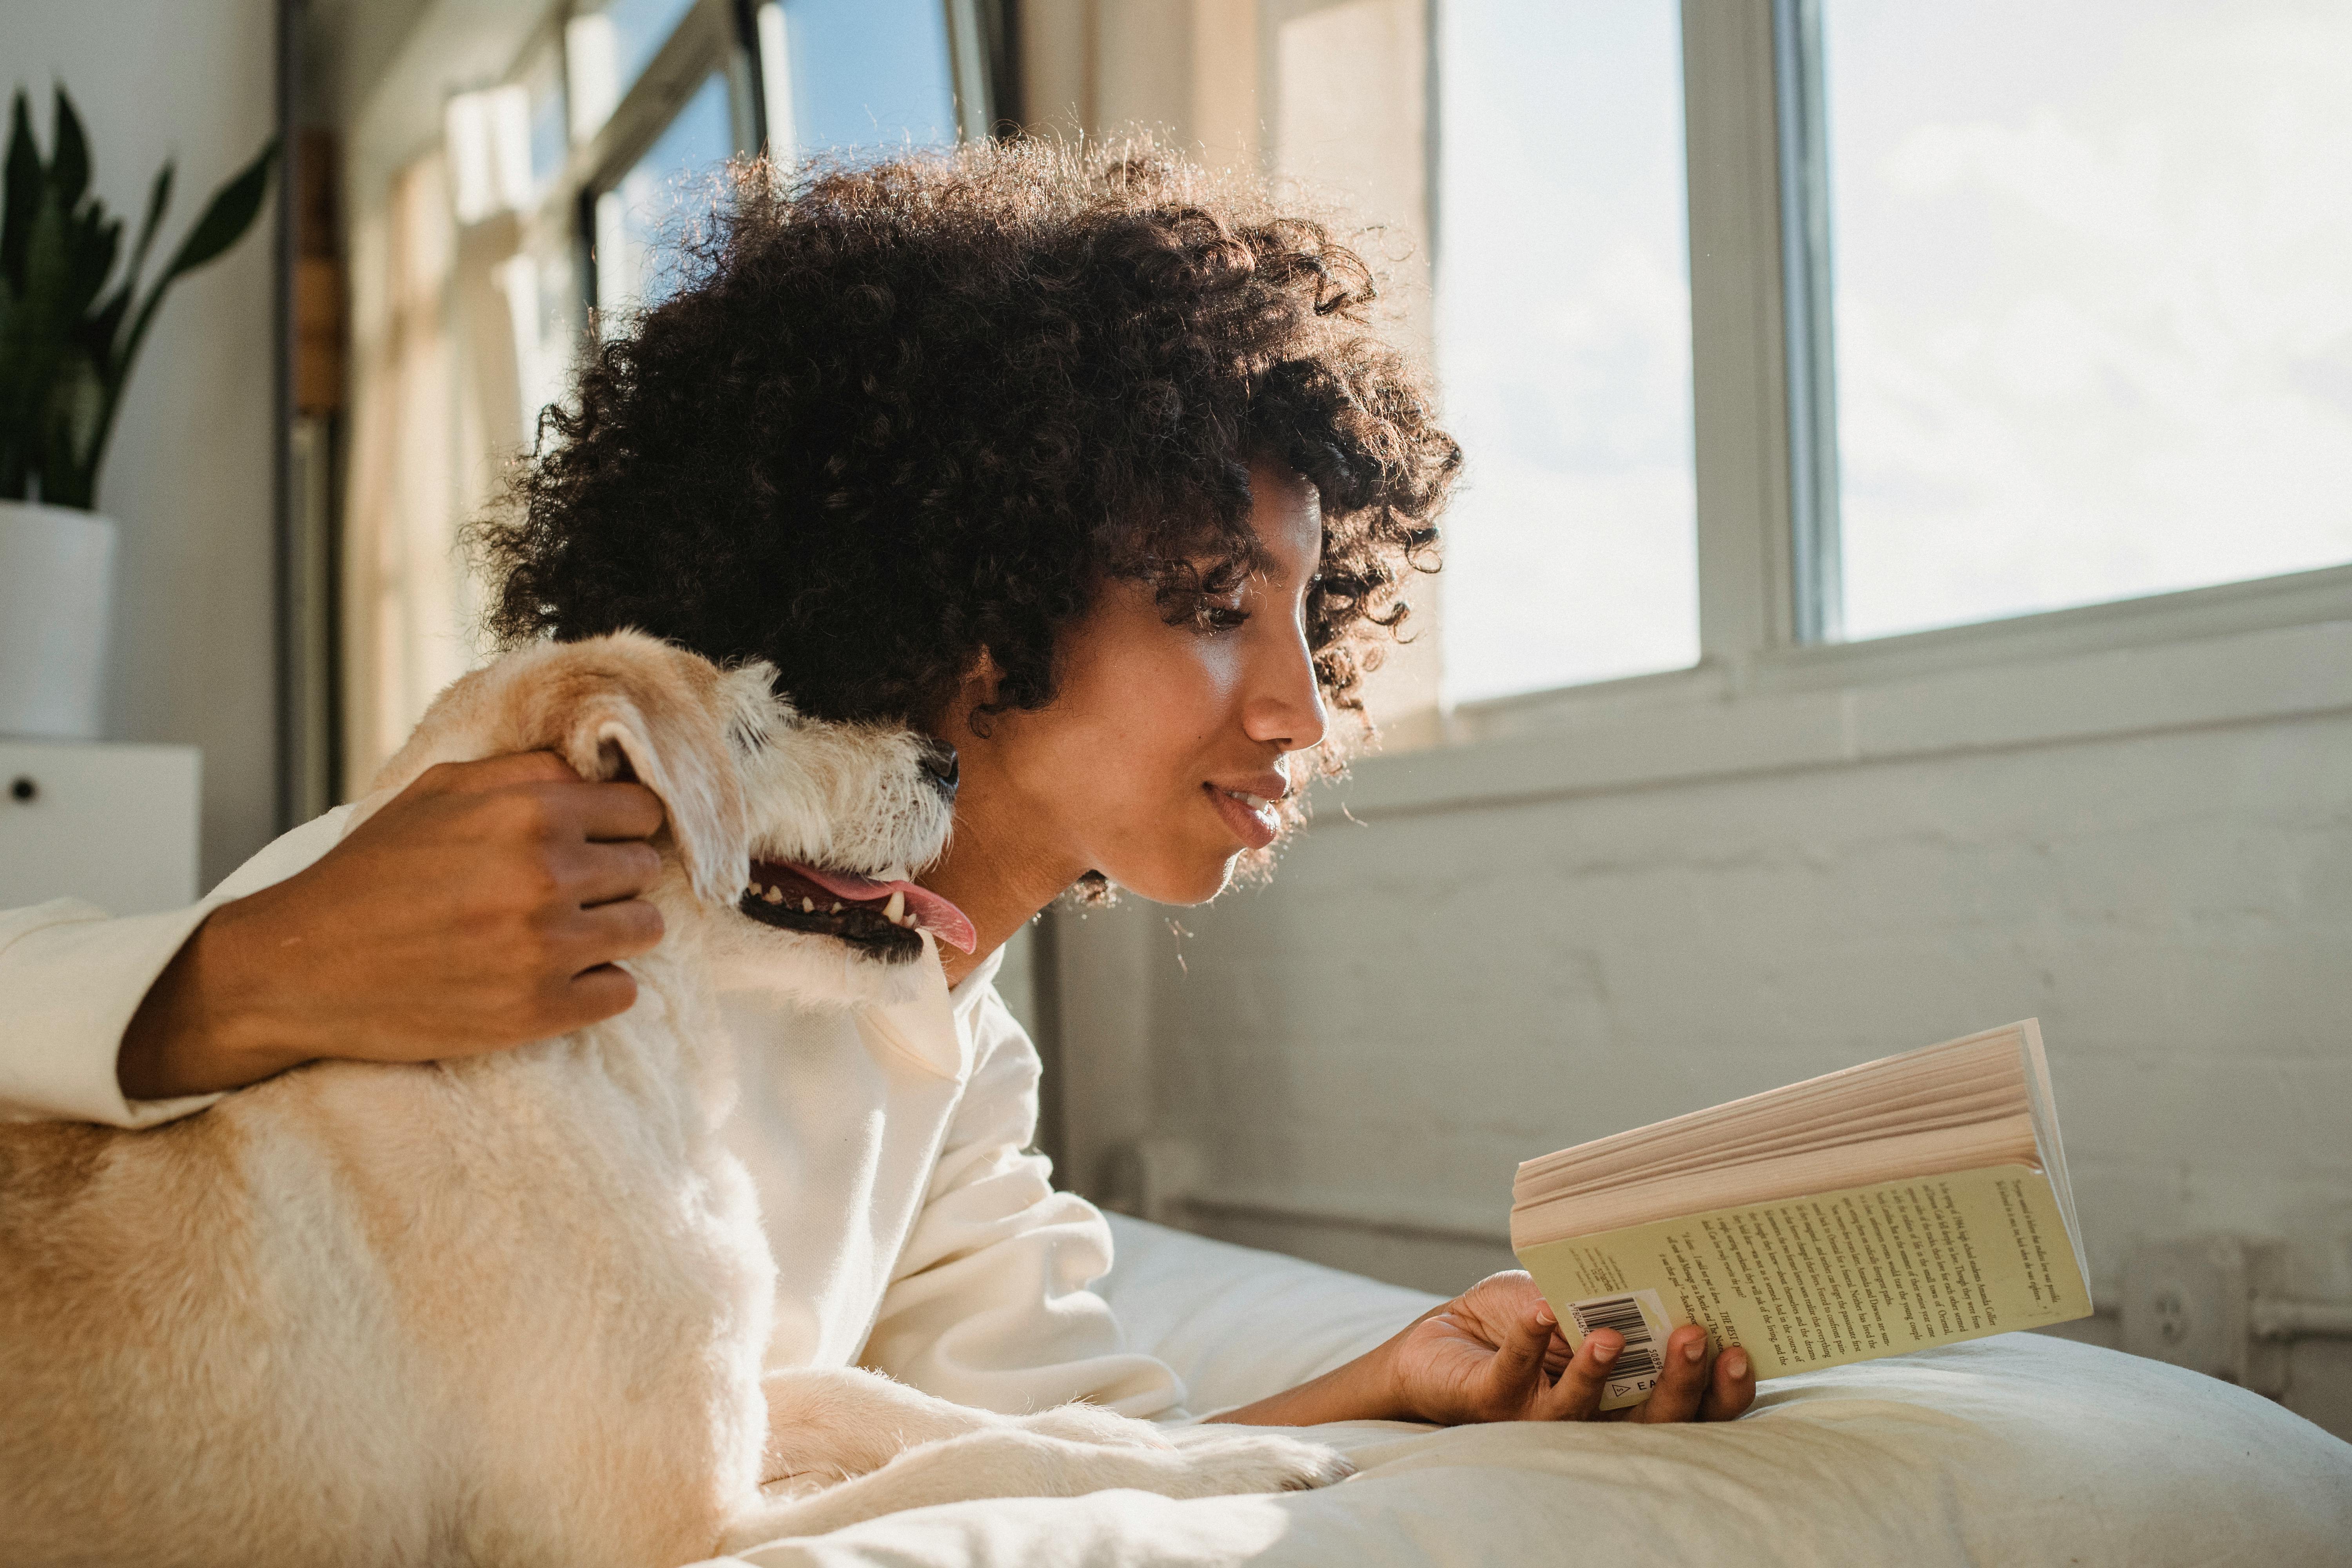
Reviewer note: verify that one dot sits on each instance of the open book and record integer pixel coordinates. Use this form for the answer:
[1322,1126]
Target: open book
[1905,1203]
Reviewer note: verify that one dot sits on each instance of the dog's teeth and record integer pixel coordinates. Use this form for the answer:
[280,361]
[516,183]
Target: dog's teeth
[774,895]
[895,911]
[808,905]
[835,909]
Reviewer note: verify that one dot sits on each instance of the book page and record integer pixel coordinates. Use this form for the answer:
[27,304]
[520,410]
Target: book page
[1838,1276]
[2007,1141]
[1915,1090]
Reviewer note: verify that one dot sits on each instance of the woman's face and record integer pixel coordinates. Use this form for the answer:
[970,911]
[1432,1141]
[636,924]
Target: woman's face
[1160,758]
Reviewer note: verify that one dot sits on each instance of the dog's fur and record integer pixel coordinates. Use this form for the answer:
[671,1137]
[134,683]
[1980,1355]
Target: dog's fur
[510,1309]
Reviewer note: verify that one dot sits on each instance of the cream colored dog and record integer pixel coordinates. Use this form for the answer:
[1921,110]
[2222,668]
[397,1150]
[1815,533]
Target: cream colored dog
[510,1309]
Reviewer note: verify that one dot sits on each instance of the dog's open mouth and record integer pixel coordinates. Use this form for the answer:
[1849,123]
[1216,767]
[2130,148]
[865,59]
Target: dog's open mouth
[884,920]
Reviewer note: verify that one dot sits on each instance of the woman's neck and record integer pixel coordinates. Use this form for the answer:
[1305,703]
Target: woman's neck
[998,869]
[1005,859]
[999,894]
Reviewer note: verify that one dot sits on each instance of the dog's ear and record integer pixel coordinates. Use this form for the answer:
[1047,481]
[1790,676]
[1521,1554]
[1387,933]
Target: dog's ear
[750,707]
[623,706]
[662,723]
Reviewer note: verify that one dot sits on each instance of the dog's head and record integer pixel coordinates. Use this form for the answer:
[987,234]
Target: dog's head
[788,839]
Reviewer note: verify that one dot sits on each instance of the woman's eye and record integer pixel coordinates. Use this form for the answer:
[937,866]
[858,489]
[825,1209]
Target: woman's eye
[1213,616]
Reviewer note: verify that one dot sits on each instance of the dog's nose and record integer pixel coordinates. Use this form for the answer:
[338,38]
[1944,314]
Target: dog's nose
[939,764]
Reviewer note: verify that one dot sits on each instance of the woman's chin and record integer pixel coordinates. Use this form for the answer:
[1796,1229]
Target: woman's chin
[1194,883]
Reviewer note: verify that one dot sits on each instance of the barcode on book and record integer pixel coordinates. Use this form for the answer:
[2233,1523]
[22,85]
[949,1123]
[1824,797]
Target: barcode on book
[1642,1319]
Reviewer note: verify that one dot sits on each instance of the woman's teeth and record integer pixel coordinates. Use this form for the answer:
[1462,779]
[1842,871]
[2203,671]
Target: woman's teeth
[1257,804]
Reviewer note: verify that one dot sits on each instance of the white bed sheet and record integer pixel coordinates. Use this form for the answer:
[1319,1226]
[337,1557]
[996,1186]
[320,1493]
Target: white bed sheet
[2023,1449]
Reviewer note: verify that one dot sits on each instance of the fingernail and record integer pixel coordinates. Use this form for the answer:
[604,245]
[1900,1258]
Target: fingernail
[1545,1317]
[1603,1352]
[1695,1348]
[1735,1363]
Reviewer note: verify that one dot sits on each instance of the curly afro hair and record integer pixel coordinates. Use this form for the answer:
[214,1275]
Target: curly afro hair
[903,413]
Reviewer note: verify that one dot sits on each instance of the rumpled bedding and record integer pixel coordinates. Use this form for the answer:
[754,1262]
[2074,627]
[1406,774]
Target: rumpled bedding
[2021,1449]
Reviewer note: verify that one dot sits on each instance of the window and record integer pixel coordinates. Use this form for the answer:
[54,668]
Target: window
[608,46]
[667,91]
[1563,343]
[2065,318]
[634,267]
[2093,292]
[858,73]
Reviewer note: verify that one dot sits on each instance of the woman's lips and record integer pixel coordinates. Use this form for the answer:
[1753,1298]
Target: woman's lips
[1254,819]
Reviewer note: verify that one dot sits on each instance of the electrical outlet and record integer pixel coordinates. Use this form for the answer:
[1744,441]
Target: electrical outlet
[2189,1302]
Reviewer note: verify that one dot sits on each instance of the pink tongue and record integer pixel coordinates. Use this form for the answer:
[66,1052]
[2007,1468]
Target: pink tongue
[932,912]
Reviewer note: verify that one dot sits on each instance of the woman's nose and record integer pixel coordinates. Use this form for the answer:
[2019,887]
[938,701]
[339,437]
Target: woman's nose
[1287,706]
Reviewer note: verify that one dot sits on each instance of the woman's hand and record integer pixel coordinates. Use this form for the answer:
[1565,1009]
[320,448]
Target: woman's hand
[1496,1353]
[482,908]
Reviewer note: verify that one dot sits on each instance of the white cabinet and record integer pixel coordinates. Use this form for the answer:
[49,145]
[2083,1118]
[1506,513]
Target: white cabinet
[113,824]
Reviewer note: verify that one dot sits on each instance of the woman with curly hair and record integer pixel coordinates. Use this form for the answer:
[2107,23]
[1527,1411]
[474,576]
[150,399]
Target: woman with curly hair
[1090,466]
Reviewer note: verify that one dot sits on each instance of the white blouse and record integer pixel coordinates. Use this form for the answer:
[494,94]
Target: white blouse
[911,1232]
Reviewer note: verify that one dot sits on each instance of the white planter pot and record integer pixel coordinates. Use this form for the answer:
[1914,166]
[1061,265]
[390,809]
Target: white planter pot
[57,610]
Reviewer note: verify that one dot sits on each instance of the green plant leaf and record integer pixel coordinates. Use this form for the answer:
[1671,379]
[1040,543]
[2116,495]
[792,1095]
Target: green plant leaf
[91,246]
[40,316]
[106,324]
[69,159]
[24,181]
[159,196]
[35,341]
[14,437]
[11,368]
[69,429]
[226,218]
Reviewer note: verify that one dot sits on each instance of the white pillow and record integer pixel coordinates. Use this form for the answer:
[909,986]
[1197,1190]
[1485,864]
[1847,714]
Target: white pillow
[2023,1449]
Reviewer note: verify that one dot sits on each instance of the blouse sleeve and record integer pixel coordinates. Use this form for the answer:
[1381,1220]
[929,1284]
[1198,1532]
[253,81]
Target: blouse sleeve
[72,977]
[990,1305]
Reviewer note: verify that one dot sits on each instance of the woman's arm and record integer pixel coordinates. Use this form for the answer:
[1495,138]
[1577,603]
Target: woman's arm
[481,907]
[1496,1353]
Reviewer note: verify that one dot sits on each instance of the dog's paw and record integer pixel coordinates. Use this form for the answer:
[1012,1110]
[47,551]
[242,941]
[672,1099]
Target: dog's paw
[1083,1423]
[1260,1462]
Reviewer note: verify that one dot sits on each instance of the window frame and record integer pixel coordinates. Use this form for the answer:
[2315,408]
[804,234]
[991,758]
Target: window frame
[745,39]
[1773,689]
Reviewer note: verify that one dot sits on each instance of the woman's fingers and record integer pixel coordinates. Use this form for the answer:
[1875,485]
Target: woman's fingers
[1732,1389]
[1577,1395]
[1516,1370]
[594,995]
[603,872]
[622,929]
[607,812]
[1682,1378]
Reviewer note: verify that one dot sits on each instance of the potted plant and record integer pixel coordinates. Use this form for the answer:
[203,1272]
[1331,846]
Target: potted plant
[68,344]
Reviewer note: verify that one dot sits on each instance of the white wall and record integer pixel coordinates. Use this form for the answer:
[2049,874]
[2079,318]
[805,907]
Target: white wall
[189,476]
[1362,1051]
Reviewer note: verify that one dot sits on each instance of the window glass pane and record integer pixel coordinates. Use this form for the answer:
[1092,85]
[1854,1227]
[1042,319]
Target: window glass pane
[634,267]
[542,293]
[609,44]
[869,73]
[543,84]
[1563,343]
[2094,285]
